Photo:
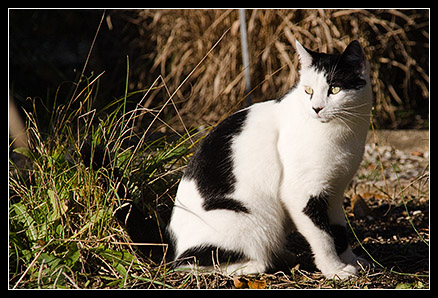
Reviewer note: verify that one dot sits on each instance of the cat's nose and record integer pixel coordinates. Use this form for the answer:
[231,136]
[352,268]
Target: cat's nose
[317,110]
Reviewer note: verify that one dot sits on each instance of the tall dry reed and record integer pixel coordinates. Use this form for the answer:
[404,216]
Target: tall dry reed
[174,41]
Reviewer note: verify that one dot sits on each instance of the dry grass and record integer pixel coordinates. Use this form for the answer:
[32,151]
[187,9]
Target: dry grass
[395,41]
[63,230]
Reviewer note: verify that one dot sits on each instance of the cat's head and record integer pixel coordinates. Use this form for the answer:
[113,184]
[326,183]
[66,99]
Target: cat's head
[335,86]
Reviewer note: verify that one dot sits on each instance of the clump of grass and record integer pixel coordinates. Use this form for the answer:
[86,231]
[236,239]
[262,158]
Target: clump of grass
[64,231]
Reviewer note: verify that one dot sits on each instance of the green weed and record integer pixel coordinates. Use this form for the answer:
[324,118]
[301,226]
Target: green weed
[63,229]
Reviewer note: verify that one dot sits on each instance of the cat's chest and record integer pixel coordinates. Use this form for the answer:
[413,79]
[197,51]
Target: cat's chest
[319,154]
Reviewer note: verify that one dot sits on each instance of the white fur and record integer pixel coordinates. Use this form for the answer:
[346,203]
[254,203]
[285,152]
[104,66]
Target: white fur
[284,154]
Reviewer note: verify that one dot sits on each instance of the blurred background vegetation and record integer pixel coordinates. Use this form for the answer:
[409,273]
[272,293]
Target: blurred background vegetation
[48,48]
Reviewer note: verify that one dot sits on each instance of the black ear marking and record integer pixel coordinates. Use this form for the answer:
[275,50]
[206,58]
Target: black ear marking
[354,56]
[346,70]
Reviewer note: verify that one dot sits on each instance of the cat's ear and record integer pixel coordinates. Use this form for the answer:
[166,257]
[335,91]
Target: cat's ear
[305,57]
[354,56]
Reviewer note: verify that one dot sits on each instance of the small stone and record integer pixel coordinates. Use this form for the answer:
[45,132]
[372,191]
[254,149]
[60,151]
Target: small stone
[360,207]
[416,212]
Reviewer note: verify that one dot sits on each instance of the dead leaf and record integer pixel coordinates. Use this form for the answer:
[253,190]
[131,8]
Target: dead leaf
[418,153]
[371,196]
[257,284]
[240,283]
[243,283]
[367,195]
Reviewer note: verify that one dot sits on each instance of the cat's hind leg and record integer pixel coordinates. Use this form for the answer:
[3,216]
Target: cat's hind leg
[209,258]
[283,261]
[243,268]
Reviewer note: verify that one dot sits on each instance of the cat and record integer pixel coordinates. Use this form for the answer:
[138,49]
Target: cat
[276,166]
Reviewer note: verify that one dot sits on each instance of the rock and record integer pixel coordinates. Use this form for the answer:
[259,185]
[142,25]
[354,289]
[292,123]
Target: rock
[360,207]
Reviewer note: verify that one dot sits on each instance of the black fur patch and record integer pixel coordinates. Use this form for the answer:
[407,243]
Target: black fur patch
[205,255]
[344,70]
[224,203]
[316,210]
[340,235]
[211,166]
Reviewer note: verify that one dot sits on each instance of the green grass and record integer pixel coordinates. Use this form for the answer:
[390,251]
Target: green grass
[62,228]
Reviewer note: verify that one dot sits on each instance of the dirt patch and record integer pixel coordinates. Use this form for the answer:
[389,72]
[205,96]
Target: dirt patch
[406,140]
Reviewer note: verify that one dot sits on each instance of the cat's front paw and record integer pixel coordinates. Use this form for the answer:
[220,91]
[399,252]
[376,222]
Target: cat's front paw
[344,272]
[362,263]
[349,257]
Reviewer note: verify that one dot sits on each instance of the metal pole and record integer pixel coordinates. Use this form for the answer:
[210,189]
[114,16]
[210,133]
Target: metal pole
[245,56]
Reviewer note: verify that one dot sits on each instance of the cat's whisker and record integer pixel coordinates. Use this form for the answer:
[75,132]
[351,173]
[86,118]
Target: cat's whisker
[344,121]
[350,112]
[355,107]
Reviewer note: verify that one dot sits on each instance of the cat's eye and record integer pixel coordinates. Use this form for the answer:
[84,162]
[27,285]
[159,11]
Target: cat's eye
[335,89]
[308,90]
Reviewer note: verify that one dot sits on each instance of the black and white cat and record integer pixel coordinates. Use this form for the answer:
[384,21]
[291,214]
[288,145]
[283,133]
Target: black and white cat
[276,166]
